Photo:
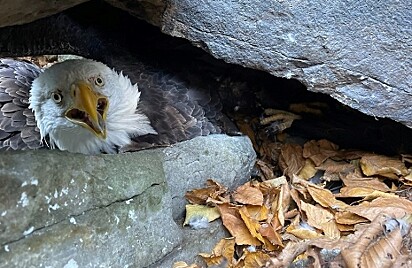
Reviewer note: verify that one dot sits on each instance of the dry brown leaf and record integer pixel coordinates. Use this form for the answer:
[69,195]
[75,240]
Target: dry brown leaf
[212,190]
[182,264]
[349,218]
[366,193]
[321,219]
[259,213]
[236,226]
[291,214]
[291,160]
[331,244]
[274,183]
[325,198]
[245,127]
[255,259]
[345,228]
[200,211]
[395,207]
[319,151]
[335,170]
[349,155]
[302,231]
[331,176]
[383,165]
[295,197]
[277,196]
[270,151]
[271,198]
[223,253]
[374,248]
[254,227]
[353,180]
[266,170]
[331,165]
[308,171]
[289,253]
[278,207]
[252,224]
[301,186]
[284,204]
[267,231]
[248,195]
[408,178]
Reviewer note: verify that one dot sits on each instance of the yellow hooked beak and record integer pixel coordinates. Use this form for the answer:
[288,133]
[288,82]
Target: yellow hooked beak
[89,108]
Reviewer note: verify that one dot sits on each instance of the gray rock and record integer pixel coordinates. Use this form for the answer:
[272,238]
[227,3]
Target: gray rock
[357,52]
[222,158]
[82,210]
[25,11]
[193,243]
[58,208]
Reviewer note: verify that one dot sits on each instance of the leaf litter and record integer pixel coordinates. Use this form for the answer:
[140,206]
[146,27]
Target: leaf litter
[313,203]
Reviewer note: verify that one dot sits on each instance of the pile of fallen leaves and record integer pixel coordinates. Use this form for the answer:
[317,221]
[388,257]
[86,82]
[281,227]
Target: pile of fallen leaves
[331,208]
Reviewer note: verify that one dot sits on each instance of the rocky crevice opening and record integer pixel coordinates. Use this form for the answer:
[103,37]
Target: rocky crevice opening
[112,221]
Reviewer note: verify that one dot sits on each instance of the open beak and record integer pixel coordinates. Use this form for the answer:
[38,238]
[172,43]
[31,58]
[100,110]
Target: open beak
[89,108]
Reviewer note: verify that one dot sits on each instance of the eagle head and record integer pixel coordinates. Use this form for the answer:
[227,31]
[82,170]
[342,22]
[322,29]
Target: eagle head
[83,106]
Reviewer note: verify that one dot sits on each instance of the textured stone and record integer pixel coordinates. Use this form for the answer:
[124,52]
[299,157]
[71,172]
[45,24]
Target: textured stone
[219,157]
[58,208]
[195,242]
[357,52]
[84,210]
[25,11]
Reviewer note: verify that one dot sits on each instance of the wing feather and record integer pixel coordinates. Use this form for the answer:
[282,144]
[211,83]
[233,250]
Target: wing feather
[176,110]
[18,129]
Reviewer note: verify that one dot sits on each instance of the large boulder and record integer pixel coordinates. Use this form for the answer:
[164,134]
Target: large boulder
[24,11]
[59,208]
[356,52]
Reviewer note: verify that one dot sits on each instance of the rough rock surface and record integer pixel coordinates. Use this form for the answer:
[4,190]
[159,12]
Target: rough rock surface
[59,209]
[235,154]
[356,52]
[25,11]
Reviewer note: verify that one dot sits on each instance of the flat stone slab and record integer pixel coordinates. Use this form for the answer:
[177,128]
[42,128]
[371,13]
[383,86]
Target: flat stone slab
[60,209]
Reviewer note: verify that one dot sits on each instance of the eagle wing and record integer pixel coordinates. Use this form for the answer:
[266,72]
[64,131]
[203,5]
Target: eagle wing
[18,129]
[177,110]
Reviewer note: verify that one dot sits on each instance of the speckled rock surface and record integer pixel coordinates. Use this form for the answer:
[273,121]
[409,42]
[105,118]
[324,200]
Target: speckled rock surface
[24,11]
[221,158]
[58,208]
[357,52]
[83,210]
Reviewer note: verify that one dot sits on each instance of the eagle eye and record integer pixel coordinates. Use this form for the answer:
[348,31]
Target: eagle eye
[57,97]
[98,81]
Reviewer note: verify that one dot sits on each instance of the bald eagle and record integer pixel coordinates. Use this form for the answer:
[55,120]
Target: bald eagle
[83,106]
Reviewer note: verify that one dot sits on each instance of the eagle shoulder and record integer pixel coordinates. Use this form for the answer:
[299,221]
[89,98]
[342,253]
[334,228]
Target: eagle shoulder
[18,129]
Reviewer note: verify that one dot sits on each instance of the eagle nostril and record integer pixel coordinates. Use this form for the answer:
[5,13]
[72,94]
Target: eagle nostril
[101,106]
